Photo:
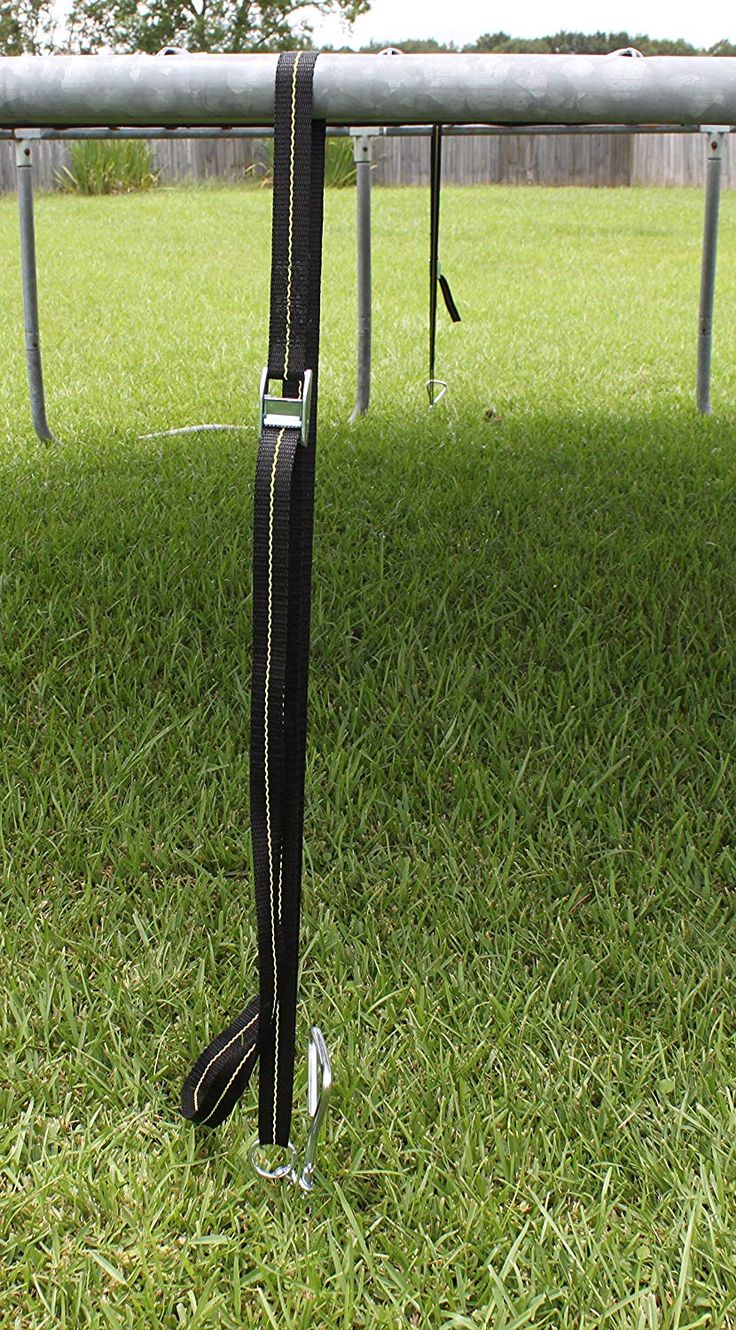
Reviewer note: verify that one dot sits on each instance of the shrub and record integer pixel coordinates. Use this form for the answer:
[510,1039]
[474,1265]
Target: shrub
[339,164]
[99,166]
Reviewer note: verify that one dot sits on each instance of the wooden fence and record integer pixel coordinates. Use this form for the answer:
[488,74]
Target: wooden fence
[524,159]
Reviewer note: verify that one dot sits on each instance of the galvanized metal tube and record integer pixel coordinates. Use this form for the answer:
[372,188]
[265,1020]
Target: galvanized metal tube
[24,164]
[369,90]
[363,153]
[716,139]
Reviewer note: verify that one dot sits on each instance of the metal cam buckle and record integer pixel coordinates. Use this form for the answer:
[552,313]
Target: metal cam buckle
[287,412]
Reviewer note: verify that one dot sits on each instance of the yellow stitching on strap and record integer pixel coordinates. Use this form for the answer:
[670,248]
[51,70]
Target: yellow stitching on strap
[271,502]
[213,1059]
[250,1052]
[287,337]
[287,340]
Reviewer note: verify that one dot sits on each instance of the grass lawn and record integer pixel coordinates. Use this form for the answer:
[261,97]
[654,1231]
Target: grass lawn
[519,921]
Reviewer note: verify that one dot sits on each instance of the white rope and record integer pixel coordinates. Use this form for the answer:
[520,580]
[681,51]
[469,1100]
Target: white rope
[190,429]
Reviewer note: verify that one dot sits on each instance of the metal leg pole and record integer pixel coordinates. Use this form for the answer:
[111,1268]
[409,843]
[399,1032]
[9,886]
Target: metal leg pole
[363,154]
[716,137]
[24,163]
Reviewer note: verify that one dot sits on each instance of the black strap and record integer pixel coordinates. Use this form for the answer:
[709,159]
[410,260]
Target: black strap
[436,276]
[282,560]
[450,305]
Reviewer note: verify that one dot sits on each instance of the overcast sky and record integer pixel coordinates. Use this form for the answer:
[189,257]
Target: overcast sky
[463,20]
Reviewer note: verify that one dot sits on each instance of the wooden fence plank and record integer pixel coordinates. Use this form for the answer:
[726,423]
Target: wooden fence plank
[523,159]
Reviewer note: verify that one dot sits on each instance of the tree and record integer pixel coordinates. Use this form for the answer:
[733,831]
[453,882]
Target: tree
[199,25]
[586,43]
[411,46]
[11,33]
[25,26]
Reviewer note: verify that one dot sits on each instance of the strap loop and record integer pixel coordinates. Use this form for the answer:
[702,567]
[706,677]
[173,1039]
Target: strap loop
[436,276]
[282,559]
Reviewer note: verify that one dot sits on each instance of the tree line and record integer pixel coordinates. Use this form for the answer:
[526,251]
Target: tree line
[269,25]
[567,43]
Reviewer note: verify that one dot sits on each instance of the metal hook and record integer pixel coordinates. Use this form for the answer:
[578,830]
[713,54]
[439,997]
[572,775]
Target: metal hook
[319,1089]
[431,385]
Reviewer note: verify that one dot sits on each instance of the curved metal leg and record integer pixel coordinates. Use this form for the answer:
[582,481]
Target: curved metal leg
[24,163]
[716,139]
[362,151]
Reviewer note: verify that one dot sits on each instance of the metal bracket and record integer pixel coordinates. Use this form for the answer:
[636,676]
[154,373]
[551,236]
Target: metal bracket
[319,1090]
[716,139]
[362,145]
[287,412]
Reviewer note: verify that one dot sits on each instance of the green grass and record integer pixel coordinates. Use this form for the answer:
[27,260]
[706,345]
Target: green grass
[519,892]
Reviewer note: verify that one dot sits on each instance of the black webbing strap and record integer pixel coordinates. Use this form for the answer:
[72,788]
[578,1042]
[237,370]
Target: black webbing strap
[436,276]
[282,559]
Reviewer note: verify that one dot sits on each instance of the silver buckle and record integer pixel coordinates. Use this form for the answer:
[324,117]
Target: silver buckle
[287,412]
